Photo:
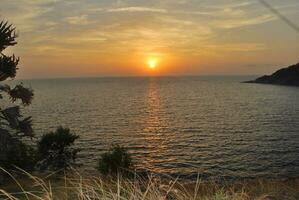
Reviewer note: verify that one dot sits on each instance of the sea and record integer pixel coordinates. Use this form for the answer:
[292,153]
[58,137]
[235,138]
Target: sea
[207,126]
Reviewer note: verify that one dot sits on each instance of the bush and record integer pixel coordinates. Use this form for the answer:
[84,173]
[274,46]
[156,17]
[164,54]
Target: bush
[116,160]
[22,156]
[56,149]
[14,153]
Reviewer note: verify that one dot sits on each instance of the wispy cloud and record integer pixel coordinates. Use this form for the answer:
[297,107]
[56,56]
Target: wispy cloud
[137,9]
[83,20]
[235,23]
[238,47]
[108,29]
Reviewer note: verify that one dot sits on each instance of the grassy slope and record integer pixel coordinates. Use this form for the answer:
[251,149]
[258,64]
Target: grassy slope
[77,187]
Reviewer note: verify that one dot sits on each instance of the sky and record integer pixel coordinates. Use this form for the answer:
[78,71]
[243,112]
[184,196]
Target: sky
[79,38]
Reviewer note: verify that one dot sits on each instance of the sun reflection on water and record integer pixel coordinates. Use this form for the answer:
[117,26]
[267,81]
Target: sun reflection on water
[155,124]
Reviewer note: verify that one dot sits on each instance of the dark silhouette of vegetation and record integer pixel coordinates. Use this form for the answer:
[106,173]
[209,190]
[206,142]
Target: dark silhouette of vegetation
[13,126]
[20,155]
[116,160]
[56,149]
[285,76]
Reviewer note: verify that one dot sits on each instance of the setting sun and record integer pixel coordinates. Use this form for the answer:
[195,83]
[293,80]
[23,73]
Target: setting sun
[200,90]
[152,63]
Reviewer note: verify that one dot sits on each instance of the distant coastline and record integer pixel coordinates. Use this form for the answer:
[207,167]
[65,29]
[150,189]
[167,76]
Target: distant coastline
[285,76]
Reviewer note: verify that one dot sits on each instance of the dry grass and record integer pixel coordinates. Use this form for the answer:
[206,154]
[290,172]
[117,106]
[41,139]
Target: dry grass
[73,187]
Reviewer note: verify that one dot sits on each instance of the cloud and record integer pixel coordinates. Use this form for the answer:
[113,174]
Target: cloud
[137,9]
[76,20]
[239,47]
[235,23]
[23,14]
[141,27]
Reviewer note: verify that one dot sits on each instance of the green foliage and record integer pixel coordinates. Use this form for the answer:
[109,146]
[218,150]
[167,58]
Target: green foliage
[22,93]
[22,156]
[14,153]
[13,126]
[10,118]
[116,160]
[8,67]
[56,149]
[7,35]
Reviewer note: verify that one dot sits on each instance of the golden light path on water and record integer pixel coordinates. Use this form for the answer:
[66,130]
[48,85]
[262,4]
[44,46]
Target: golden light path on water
[176,126]
[154,122]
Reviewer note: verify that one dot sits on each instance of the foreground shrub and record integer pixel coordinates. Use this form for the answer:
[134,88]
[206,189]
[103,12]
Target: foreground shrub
[116,160]
[14,153]
[56,149]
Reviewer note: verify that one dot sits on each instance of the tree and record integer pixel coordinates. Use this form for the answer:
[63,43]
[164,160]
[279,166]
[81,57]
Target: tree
[13,126]
[116,160]
[56,149]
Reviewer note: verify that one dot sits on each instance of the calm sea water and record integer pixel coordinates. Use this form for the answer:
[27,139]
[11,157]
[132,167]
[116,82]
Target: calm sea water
[215,126]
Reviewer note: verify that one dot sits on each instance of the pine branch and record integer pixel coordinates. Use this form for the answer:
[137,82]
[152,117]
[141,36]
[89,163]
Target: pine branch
[7,35]
[8,66]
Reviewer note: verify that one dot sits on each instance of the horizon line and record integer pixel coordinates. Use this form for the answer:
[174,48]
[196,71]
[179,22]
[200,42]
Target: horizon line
[134,76]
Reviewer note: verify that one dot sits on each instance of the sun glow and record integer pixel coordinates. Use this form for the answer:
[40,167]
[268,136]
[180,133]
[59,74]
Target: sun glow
[152,63]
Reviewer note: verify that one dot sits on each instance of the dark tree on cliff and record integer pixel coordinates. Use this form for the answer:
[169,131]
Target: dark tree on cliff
[13,126]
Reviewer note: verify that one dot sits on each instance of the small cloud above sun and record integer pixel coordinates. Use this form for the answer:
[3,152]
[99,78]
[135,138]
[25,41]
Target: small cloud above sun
[152,63]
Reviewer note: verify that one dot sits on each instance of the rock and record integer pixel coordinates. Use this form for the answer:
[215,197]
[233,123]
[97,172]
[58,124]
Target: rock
[285,76]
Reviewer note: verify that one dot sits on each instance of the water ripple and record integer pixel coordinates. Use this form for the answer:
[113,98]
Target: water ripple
[179,126]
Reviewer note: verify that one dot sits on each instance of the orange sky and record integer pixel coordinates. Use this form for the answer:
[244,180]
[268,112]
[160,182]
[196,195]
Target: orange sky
[118,37]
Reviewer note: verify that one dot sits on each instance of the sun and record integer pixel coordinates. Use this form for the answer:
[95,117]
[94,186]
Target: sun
[152,63]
